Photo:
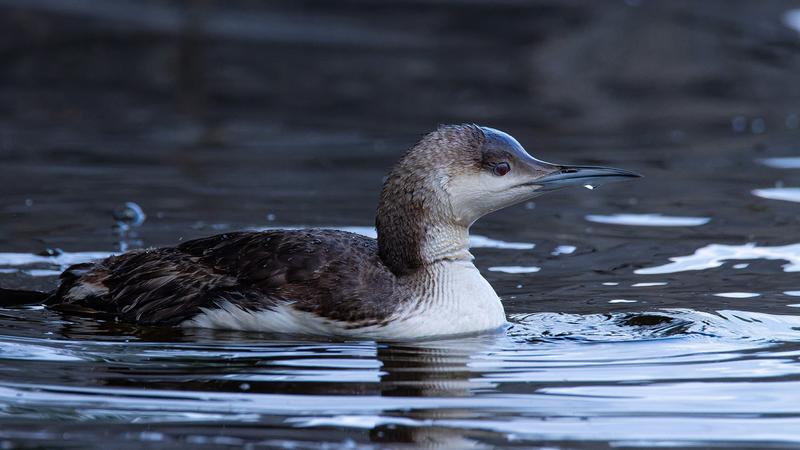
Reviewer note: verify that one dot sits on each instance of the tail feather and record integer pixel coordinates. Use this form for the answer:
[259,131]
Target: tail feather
[17,297]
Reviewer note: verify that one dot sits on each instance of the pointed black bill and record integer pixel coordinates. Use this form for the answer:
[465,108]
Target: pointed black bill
[566,176]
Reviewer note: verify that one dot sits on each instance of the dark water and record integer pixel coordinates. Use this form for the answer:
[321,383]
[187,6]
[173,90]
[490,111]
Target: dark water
[629,330]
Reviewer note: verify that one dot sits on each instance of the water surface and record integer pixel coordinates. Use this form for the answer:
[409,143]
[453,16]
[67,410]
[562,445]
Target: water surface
[657,313]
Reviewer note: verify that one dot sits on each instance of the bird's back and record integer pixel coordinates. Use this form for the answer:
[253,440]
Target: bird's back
[333,275]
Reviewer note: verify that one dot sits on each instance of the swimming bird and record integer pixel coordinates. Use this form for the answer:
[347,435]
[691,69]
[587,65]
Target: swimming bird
[415,280]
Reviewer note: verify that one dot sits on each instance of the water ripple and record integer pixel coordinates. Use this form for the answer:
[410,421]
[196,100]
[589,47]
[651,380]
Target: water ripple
[558,372]
[788,194]
[648,220]
[715,255]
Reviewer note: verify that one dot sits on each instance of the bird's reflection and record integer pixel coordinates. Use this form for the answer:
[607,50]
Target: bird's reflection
[201,360]
[432,369]
[428,437]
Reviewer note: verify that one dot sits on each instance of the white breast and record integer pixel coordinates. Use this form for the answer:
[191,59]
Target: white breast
[454,299]
[461,301]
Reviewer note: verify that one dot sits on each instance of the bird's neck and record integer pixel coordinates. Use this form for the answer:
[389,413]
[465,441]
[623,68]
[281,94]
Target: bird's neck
[416,230]
[406,246]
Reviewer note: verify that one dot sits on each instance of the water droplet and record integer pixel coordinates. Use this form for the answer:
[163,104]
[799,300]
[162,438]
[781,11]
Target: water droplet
[130,215]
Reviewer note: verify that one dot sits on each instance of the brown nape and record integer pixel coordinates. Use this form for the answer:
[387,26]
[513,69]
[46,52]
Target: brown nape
[413,206]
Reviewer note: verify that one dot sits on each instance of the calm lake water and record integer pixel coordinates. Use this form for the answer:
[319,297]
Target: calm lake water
[663,312]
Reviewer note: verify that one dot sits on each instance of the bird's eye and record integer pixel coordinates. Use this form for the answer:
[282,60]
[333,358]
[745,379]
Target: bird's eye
[501,169]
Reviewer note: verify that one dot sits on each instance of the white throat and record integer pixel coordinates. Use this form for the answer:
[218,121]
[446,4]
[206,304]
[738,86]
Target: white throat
[446,243]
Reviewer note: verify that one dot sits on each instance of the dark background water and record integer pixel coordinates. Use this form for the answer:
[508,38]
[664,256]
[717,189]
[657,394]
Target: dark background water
[217,115]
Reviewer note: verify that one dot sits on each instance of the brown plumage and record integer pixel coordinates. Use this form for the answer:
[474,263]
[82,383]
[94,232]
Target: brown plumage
[416,279]
[333,274]
[254,270]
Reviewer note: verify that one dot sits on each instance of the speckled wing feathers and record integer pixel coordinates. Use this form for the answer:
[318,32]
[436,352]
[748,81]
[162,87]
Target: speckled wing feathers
[333,274]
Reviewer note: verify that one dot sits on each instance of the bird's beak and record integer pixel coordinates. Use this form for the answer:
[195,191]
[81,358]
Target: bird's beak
[565,176]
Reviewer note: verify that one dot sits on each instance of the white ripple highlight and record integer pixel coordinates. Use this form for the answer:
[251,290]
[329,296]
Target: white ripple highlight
[648,220]
[787,194]
[715,255]
[787,162]
[43,273]
[63,260]
[791,19]
[564,250]
[737,294]
[515,269]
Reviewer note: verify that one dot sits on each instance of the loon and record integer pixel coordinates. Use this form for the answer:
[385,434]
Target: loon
[417,280]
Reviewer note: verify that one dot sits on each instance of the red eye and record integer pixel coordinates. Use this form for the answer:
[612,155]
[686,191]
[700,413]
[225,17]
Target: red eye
[501,169]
